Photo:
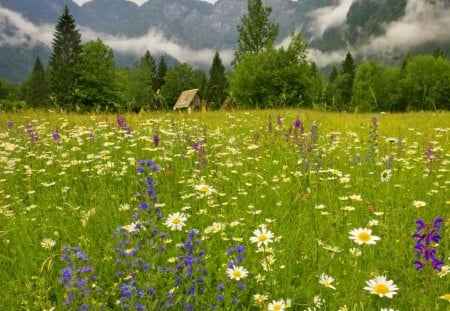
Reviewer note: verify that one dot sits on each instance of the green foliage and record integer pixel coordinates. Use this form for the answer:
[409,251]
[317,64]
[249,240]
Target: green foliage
[215,92]
[274,78]
[36,89]
[142,83]
[426,83]
[161,73]
[179,78]
[96,85]
[63,60]
[8,90]
[256,33]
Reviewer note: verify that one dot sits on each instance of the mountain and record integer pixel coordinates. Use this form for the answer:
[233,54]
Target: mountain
[192,30]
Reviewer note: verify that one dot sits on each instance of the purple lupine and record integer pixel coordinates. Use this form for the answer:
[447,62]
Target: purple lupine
[427,238]
[56,137]
[156,140]
[10,124]
[123,124]
[31,132]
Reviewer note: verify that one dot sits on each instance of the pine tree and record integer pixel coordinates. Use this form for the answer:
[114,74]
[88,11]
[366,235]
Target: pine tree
[147,61]
[255,31]
[348,65]
[333,75]
[66,46]
[36,87]
[161,72]
[217,83]
[348,70]
[142,83]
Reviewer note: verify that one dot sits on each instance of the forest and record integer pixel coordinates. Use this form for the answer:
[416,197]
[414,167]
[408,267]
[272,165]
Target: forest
[84,77]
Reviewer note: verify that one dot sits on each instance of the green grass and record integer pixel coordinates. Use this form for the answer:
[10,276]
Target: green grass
[310,191]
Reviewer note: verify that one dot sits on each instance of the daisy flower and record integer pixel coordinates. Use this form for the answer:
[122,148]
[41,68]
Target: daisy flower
[279,305]
[259,299]
[326,281]
[385,175]
[237,273]
[418,203]
[204,189]
[176,221]
[262,237]
[381,287]
[363,236]
[47,243]
[445,297]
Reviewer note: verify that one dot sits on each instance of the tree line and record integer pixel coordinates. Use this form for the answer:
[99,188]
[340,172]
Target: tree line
[84,77]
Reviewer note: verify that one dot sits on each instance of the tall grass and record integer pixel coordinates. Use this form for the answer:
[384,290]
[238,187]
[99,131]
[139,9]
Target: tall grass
[305,177]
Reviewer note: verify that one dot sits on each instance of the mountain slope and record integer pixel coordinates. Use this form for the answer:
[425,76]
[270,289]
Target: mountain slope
[192,30]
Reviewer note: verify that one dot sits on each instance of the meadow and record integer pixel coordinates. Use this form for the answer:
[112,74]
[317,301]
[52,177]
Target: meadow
[247,210]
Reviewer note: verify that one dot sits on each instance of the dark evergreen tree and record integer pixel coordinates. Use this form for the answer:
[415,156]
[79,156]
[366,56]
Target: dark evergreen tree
[255,31]
[333,75]
[63,60]
[142,83]
[149,62]
[348,70]
[161,73]
[217,83]
[36,91]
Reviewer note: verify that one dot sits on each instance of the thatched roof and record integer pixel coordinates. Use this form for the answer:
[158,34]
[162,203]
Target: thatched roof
[186,98]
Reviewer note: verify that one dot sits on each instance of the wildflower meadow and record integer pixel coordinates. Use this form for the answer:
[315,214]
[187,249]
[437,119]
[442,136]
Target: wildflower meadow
[247,210]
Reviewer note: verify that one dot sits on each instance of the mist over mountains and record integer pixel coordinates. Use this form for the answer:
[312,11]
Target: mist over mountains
[192,30]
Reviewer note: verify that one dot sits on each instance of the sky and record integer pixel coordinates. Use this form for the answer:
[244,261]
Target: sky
[138,2]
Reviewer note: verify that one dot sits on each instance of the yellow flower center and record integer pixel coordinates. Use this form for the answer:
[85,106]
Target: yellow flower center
[446,297]
[277,307]
[364,236]
[237,274]
[262,238]
[204,188]
[176,220]
[381,289]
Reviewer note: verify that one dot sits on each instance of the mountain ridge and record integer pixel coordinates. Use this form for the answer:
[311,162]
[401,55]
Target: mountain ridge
[190,29]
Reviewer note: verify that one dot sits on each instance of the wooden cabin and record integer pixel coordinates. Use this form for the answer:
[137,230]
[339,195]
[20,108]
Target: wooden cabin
[190,100]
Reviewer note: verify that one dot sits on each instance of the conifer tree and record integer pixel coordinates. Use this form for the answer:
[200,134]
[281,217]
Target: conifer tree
[217,83]
[36,87]
[161,72]
[63,60]
[333,75]
[255,31]
[348,70]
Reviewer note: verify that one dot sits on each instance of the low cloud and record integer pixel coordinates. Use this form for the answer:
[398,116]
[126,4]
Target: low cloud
[16,30]
[323,59]
[329,17]
[157,43]
[422,23]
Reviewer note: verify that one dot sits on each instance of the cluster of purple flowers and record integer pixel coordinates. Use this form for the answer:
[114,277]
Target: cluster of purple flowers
[235,291]
[78,278]
[56,137]
[123,124]
[10,124]
[427,237]
[32,134]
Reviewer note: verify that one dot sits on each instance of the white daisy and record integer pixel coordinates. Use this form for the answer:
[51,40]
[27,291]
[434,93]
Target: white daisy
[385,175]
[381,287]
[418,203]
[279,305]
[176,221]
[204,190]
[48,243]
[237,273]
[326,281]
[363,236]
[262,237]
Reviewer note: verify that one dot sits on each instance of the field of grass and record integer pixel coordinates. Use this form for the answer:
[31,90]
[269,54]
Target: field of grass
[257,210]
